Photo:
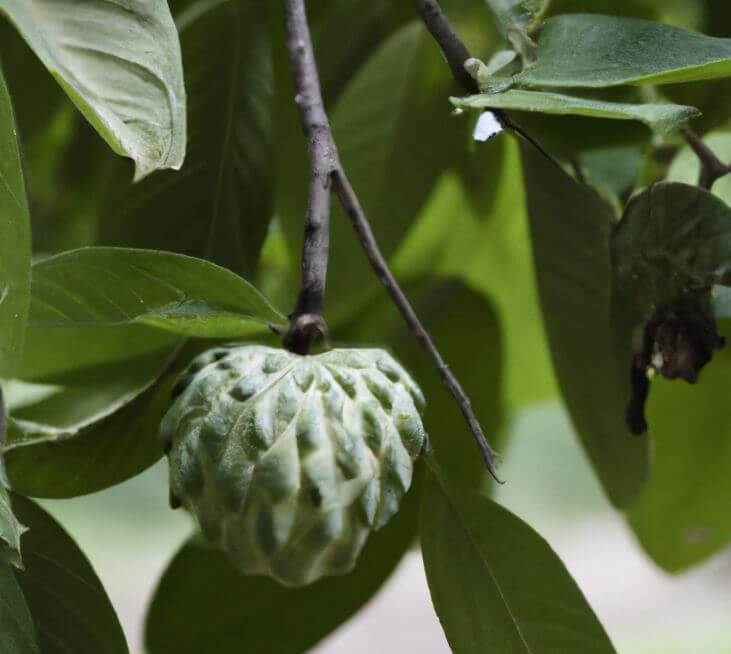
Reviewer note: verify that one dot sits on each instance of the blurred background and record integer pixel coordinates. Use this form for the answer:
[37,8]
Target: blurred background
[129,533]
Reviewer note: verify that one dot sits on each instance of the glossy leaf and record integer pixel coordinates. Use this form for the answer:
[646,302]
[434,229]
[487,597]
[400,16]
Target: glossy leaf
[231,609]
[381,123]
[70,608]
[10,532]
[121,66]
[660,117]
[14,240]
[673,238]
[682,517]
[94,433]
[17,633]
[570,231]
[219,205]
[582,50]
[516,19]
[96,306]
[497,585]
[465,328]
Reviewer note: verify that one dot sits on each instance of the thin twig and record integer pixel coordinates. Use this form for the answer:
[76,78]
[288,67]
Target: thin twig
[349,201]
[306,321]
[456,54]
[317,130]
[712,168]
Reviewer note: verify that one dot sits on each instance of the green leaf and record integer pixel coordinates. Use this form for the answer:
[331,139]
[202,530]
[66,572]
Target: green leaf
[14,240]
[230,609]
[96,432]
[70,608]
[516,19]
[682,518]
[590,51]
[673,238]
[520,15]
[497,585]
[17,633]
[570,232]
[10,532]
[109,297]
[127,78]
[686,166]
[395,138]
[219,206]
[660,117]
[465,328]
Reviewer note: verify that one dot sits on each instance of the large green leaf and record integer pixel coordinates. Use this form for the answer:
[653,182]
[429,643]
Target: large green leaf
[229,610]
[497,586]
[219,205]
[10,531]
[682,518]
[660,117]
[120,64]
[14,240]
[395,138]
[70,608]
[96,432]
[570,231]
[100,305]
[582,50]
[17,633]
[673,237]
[465,328]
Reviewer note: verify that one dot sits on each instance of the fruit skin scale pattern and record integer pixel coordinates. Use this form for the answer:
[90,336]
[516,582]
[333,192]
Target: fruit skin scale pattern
[288,462]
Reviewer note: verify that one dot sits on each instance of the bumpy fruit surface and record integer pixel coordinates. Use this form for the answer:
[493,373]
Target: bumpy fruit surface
[288,462]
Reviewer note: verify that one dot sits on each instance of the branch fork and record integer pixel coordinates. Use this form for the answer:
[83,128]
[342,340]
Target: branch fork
[327,176]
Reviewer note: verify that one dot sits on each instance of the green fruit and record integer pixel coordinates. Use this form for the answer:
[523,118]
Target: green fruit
[288,462]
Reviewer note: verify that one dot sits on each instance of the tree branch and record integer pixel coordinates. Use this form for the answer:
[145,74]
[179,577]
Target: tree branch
[349,201]
[323,149]
[306,321]
[712,168]
[456,54]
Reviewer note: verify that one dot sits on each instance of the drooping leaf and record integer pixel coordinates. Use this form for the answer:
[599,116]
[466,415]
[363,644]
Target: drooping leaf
[673,238]
[17,633]
[464,326]
[231,609]
[497,585]
[96,432]
[97,305]
[120,64]
[660,117]
[14,241]
[583,50]
[686,166]
[394,142]
[219,205]
[570,232]
[10,532]
[70,608]
[682,517]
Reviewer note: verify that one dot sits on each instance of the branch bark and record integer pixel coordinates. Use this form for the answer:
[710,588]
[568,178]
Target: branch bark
[324,158]
[306,321]
[712,168]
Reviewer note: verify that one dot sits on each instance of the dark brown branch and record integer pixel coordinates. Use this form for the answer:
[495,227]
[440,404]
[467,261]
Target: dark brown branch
[712,168]
[454,50]
[350,203]
[323,149]
[306,321]
[456,54]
